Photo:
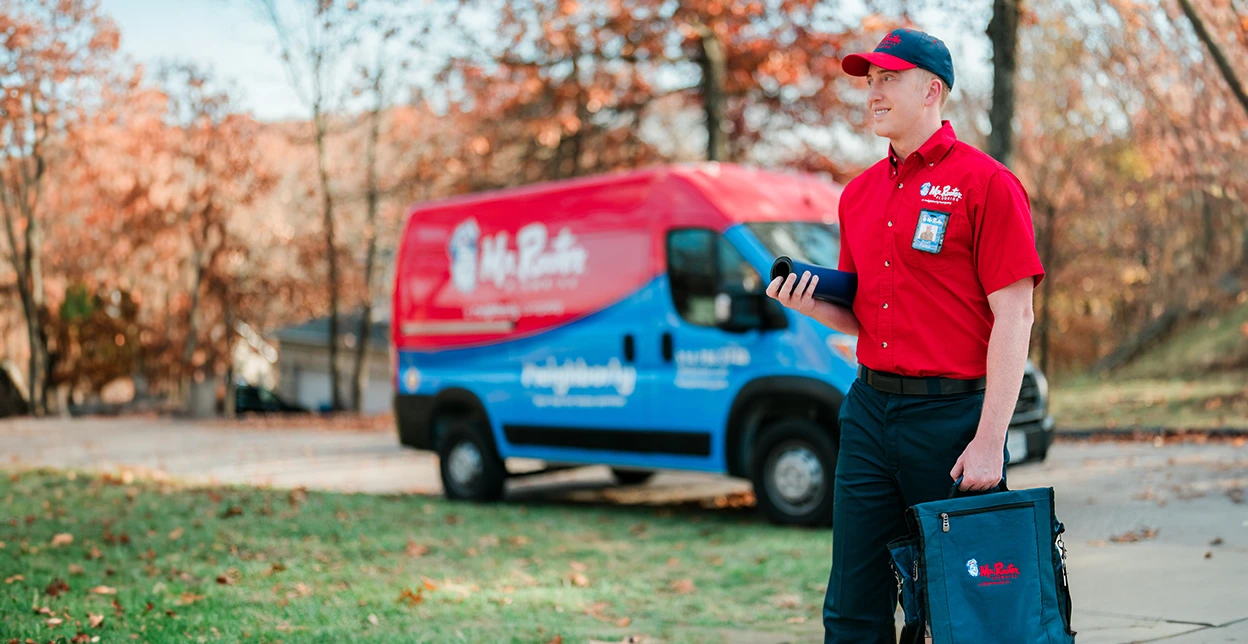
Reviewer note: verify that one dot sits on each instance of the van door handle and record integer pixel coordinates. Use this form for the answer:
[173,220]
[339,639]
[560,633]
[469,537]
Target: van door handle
[630,348]
[667,346]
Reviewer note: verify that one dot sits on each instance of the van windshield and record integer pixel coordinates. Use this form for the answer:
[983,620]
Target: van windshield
[804,241]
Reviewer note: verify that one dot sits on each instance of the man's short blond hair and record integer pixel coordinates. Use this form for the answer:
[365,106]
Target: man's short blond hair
[928,77]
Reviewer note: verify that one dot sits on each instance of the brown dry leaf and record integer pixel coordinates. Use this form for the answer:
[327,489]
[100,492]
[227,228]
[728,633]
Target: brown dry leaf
[104,590]
[558,639]
[187,598]
[428,584]
[372,619]
[176,534]
[518,540]
[683,586]
[800,619]
[1216,542]
[56,587]
[1134,536]
[14,578]
[579,580]
[224,580]
[786,601]
[44,611]
[303,589]
[75,569]
[717,561]
[578,566]
[416,550]
[1209,555]
[411,598]
[623,622]
[95,553]
[95,620]
[673,561]
[62,539]
[55,621]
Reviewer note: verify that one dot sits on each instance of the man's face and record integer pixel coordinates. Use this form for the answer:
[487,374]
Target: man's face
[895,100]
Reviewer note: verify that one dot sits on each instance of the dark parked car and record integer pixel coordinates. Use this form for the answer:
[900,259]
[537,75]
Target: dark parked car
[258,400]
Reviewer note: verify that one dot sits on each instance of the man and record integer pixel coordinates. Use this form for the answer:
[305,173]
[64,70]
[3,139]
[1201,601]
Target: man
[941,239]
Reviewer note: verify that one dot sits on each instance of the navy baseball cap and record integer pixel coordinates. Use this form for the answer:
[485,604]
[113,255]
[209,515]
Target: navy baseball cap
[904,49]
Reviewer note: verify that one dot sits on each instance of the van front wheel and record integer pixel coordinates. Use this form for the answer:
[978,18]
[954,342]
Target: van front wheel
[793,470]
[470,466]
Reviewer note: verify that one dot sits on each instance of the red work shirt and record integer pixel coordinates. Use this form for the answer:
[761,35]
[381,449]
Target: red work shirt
[925,312]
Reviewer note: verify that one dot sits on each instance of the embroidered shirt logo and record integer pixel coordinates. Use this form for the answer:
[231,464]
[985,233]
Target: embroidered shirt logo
[972,567]
[945,195]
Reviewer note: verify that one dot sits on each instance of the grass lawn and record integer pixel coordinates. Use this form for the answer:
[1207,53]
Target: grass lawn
[155,561]
[1194,380]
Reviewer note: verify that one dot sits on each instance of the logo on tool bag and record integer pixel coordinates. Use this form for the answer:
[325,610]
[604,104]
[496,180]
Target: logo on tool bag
[997,574]
[972,567]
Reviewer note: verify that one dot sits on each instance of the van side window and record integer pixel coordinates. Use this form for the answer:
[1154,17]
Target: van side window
[700,265]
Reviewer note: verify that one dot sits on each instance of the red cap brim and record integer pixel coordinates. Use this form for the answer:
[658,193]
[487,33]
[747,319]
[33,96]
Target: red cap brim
[858,64]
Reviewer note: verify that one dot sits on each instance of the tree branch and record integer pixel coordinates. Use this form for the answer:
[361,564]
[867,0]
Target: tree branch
[1219,58]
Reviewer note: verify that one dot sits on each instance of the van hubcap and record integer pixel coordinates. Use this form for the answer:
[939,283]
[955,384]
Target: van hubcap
[796,475]
[465,464]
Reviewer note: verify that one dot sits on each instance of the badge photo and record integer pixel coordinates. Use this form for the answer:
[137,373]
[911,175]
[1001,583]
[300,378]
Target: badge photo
[929,234]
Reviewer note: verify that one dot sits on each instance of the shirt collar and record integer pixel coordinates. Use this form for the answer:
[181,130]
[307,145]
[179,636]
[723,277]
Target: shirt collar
[933,150]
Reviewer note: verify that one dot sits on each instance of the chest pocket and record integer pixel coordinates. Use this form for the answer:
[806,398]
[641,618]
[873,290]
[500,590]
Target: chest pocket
[936,238]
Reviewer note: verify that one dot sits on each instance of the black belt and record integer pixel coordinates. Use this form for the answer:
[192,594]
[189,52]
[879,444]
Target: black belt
[911,386]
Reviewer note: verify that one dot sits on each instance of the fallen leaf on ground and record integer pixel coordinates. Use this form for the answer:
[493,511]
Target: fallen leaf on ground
[579,580]
[428,584]
[411,598]
[95,620]
[75,569]
[224,580]
[623,622]
[673,561]
[14,578]
[1134,535]
[1209,555]
[558,639]
[104,590]
[1216,542]
[56,587]
[372,619]
[55,621]
[578,566]
[176,534]
[416,550]
[187,598]
[518,540]
[786,601]
[95,553]
[797,620]
[62,539]
[683,586]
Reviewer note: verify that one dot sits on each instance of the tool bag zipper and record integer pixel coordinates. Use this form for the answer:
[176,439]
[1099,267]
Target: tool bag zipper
[944,516]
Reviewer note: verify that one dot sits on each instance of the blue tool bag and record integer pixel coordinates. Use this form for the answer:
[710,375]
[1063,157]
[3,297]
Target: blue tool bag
[984,568]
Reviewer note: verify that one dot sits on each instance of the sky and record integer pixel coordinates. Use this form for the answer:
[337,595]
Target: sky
[240,48]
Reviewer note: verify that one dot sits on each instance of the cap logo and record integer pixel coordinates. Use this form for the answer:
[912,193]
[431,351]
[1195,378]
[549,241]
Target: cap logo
[889,41]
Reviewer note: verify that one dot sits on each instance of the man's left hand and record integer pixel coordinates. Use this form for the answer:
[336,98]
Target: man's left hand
[980,465]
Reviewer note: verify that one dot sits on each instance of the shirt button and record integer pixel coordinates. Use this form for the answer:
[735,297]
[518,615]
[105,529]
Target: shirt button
[900,185]
[885,345]
[890,224]
[931,164]
[886,305]
[887,263]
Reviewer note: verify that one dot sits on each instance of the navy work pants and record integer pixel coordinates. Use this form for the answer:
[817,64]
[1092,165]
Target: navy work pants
[895,451]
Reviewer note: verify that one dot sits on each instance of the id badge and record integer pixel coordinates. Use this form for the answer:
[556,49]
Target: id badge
[929,234]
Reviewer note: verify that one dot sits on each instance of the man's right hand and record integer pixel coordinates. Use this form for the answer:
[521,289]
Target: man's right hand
[799,296]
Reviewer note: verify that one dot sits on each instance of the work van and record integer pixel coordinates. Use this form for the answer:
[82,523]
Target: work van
[621,320]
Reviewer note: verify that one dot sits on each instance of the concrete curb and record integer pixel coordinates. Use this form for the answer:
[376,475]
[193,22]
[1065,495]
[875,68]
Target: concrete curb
[1149,433]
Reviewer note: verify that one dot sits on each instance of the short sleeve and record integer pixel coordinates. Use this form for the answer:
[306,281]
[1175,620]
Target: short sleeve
[1005,243]
[846,260]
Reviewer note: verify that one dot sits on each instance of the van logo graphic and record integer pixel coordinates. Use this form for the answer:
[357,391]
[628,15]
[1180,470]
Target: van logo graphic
[462,251]
[972,567]
[536,263]
[618,380]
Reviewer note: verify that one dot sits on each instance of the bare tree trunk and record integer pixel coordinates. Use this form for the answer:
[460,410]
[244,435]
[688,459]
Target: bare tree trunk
[1046,362]
[331,256]
[188,349]
[1003,31]
[370,256]
[231,391]
[713,72]
[1219,58]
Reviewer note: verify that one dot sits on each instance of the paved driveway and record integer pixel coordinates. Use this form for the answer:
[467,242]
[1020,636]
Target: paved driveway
[1172,585]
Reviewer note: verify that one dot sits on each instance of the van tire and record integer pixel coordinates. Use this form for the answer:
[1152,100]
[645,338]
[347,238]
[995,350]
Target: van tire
[631,477]
[469,463]
[794,471]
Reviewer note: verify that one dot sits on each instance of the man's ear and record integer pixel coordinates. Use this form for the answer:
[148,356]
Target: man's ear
[934,90]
